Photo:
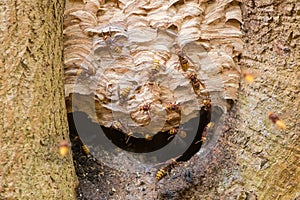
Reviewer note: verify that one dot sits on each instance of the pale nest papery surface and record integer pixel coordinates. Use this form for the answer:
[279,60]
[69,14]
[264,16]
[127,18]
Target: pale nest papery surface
[110,49]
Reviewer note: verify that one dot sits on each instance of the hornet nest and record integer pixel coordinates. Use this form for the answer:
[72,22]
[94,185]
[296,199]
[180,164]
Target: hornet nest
[144,67]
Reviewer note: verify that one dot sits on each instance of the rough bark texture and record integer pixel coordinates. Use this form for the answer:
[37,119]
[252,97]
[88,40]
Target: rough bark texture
[33,120]
[269,157]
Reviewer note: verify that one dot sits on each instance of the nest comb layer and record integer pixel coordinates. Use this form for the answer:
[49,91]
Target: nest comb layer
[125,61]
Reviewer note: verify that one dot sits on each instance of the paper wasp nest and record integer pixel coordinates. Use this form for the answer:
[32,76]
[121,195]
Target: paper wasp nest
[136,59]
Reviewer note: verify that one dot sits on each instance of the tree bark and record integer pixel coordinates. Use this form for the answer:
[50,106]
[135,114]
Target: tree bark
[33,110]
[269,157]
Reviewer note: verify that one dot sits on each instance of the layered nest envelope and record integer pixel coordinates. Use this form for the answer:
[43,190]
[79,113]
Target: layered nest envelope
[152,74]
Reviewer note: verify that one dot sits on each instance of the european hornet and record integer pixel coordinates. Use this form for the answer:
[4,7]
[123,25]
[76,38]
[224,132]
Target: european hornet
[86,149]
[205,131]
[111,43]
[145,107]
[195,81]
[155,66]
[173,107]
[117,125]
[148,137]
[206,103]
[177,131]
[64,148]
[124,93]
[183,60]
[152,78]
[163,171]
[275,119]
[248,77]
[173,131]
[89,71]
[129,134]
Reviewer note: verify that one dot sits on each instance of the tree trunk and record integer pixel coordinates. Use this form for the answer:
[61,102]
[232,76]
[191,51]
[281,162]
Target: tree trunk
[33,110]
[269,157]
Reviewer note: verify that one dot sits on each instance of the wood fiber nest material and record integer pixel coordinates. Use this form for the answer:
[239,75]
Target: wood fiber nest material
[122,55]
